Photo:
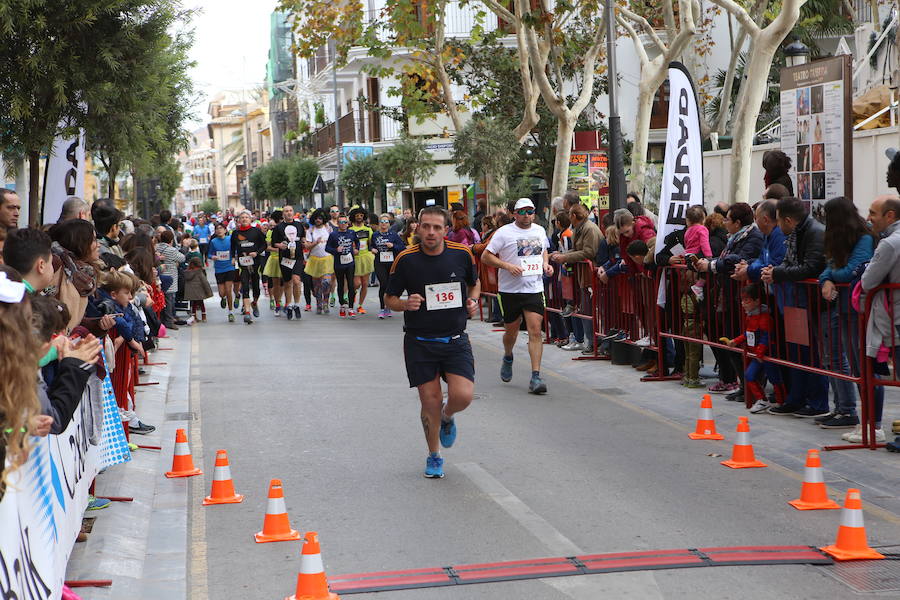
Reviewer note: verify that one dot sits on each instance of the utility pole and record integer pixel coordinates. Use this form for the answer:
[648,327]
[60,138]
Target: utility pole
[616,150]
[337,129]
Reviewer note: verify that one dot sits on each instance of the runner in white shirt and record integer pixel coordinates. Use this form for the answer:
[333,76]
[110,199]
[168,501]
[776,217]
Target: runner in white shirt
[519,251]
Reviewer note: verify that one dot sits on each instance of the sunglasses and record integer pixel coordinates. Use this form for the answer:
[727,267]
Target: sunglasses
[525,211]
[343,222]
[335,211]
[384,221]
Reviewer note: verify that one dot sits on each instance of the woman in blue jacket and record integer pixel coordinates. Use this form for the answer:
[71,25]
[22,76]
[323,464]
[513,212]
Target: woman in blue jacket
[386,245]
[848,248]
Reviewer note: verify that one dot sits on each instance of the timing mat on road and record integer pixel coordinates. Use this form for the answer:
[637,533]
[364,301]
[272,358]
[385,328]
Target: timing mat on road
[576,565]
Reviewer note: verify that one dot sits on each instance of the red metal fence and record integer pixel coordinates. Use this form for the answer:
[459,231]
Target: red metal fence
[812,337]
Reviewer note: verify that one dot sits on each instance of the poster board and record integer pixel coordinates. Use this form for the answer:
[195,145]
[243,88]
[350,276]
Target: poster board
[589,177]
[816,130]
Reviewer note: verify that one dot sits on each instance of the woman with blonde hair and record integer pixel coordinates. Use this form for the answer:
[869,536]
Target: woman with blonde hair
[19,405]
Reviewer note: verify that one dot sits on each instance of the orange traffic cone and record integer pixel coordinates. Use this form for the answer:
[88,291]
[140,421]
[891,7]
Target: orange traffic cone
[813,495]
[311,582]
[222,485]
[182,461]
[742,454]
[276,527]
[706,426]
[851,541]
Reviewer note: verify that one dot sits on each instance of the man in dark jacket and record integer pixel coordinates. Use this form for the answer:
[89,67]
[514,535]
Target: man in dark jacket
[804,259]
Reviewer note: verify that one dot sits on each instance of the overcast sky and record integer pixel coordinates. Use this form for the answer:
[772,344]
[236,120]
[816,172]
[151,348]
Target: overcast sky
[231,46]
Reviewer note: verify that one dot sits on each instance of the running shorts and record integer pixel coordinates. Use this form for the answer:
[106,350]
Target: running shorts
[425,360]
[287,273]
[513,305]
[227,276]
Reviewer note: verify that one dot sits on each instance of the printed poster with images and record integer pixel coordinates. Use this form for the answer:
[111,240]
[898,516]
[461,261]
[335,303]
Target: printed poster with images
[816,130]
[588,175]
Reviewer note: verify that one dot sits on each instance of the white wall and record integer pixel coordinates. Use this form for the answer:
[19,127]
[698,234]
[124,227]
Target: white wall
[869,169]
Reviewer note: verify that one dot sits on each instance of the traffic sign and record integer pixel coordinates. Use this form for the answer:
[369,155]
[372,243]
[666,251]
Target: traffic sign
[319,186]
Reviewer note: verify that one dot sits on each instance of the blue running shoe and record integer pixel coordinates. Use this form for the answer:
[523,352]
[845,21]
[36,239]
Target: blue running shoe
[448,433]
[95,503]
[506,369]
[434,467]
[537,385]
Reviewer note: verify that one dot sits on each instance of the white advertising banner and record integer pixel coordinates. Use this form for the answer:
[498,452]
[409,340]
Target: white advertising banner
[682,184]
[42,508]
[64,176]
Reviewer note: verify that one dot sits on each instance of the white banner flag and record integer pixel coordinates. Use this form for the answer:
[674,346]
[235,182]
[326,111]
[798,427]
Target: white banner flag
[682,184]
[64,176]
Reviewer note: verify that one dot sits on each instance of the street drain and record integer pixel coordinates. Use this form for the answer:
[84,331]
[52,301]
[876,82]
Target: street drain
[868,576]
[613,391]
[180,416]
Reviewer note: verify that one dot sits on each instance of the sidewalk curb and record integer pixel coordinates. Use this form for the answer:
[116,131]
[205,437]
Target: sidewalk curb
[142,545]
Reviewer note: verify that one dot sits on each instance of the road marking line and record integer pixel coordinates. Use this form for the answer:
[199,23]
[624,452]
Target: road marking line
[199,584]
[642,584]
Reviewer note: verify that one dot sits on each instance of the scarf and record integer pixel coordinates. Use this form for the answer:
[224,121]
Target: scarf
[790,249]
[736,237]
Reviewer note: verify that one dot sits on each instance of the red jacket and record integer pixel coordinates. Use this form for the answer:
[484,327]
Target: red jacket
[644,231]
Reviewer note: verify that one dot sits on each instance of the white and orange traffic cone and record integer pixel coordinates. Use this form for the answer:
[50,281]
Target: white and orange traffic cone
[851,541]
[182,461]
[742,456]
[813,493]
[222,485]
[312,584]
[706,425]
[276,525]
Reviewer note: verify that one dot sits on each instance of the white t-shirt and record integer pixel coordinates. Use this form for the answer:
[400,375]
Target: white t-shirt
[314,234]
[524,247]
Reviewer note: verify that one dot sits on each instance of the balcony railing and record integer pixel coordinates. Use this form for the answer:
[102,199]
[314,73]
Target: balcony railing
[355,127]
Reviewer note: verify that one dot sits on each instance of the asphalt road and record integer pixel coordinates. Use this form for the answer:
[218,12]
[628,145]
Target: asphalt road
[323,404]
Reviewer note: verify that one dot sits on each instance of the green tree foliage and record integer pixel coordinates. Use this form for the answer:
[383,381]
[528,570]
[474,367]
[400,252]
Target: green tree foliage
[209,206]
[302,174]
[486,147]
[277,178]
[258,184]
[407,162]
[361,178]
[59,61]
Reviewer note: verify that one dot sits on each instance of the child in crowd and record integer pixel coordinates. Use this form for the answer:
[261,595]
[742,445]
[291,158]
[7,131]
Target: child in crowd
[756,338]
[696,236]
[193,249]
[196,288]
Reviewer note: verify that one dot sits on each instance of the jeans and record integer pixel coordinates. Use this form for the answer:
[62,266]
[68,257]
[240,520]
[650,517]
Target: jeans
[840,340]
[168,313]
[807,389]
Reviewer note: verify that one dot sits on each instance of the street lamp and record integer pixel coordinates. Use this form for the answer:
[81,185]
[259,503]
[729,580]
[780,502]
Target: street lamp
[796,53]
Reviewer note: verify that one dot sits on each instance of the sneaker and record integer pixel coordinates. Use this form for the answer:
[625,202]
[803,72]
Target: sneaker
[255,309]
[735,396]
[614,335]
[95,503]
[343,312]
[388,313]
[361,310]
[890,446]
[506,369]
[832,414]
[693,384]
[587,351]
[248,319]
[381,314]
[231,317]
[223,303]
[644,342]
[289,312]
[326,310]
[277,311]
[141,428]
[760,406]
[572,346]
[806,412]
[318,309]
[567,311]
[308,308]
[434,467]
[237,303]
[448,433]
[351,314]
[840,422]
[133,447]
[720,387]
[784,409]
[272,304]
[537,385]
[332,300]
[855,436]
